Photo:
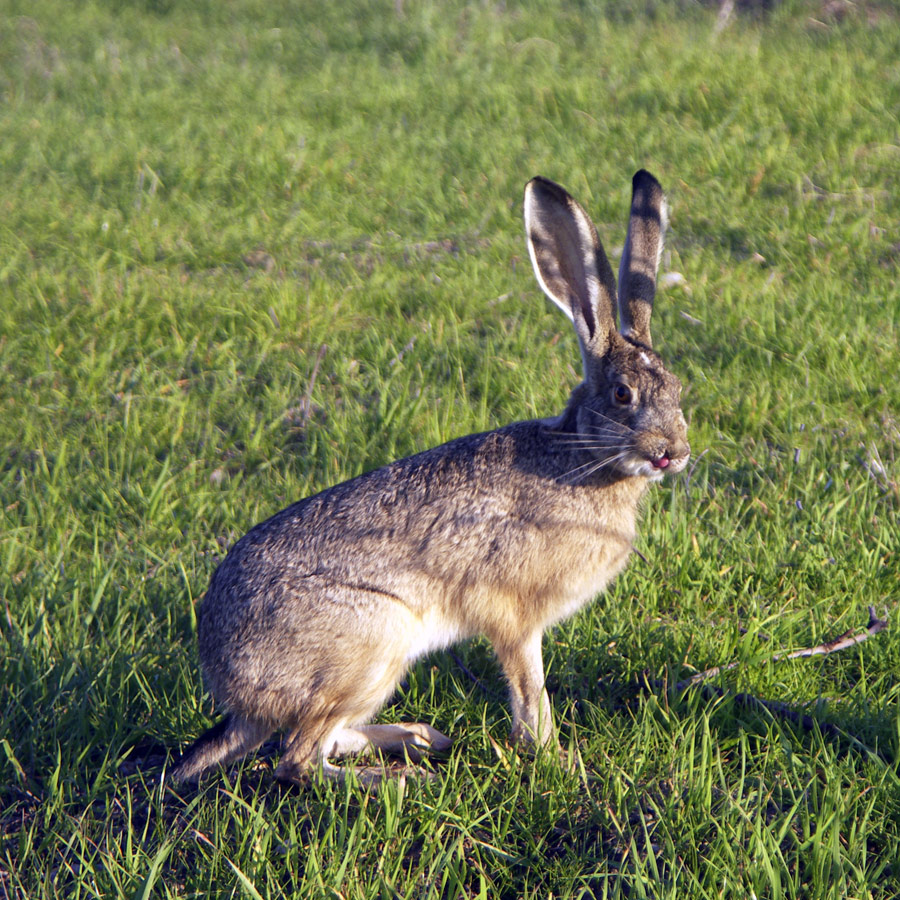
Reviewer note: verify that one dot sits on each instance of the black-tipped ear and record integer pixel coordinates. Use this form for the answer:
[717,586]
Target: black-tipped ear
[640,259]
[570,264]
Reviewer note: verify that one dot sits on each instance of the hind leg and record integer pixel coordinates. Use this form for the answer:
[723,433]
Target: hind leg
[307,748]
[300,761]
[303,754]
[225,742]
[346,685]
[405,739]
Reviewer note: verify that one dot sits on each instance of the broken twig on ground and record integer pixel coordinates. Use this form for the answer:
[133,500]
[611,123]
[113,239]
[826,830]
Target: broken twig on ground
[778,708]
[842,641]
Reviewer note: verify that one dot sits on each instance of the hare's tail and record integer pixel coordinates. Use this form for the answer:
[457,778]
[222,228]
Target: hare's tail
[227,740]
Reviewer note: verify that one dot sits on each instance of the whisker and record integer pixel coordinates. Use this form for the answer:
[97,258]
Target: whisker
[588,435]
[593,449]
[620,452]
[604,433]
[594,465]
[590,462]
[588,443]
[595,444]
[573,434]
[620,425]
[574,478]
[583,476]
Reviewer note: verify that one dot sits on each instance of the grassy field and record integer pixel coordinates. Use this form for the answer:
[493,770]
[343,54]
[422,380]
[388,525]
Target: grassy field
[254,248]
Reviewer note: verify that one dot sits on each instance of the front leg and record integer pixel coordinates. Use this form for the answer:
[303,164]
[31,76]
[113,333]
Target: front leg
[524,670]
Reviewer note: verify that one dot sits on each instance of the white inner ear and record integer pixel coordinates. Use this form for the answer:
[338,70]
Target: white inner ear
[563,305]
[591,285]
[530,217]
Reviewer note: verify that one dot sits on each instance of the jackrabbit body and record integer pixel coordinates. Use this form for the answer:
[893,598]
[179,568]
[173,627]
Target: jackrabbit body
[314,616]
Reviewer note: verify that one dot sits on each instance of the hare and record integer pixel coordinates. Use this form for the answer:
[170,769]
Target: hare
[315,615]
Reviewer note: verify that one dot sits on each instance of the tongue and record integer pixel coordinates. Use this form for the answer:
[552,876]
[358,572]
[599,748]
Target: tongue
[661,463]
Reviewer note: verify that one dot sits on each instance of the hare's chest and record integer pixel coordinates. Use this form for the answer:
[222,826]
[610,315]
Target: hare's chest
[585,585]
[597,553]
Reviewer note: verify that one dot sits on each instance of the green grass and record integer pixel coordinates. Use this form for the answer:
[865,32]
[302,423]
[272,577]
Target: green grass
[162,389]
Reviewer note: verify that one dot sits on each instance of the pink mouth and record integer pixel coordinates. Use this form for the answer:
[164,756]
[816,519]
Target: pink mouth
[662,462]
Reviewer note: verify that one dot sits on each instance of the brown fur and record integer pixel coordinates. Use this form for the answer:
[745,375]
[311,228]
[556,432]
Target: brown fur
[315,615]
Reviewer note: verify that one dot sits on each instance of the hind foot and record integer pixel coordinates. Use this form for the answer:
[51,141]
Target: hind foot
[410,740]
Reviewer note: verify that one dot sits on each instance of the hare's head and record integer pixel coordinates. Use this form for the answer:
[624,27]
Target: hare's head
[627,411]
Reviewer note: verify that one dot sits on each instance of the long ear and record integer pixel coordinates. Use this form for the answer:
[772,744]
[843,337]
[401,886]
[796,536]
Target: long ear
[640,259]
[570,264]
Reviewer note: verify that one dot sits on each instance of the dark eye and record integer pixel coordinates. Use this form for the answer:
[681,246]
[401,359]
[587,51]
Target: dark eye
[622,394]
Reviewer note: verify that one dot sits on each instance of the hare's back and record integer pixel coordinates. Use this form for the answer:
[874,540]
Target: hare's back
[368,533]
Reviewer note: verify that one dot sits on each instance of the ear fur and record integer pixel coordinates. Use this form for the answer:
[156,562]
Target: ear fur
[640,259]
[570,264]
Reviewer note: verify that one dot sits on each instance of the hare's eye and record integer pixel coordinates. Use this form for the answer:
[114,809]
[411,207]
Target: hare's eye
[622,394]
